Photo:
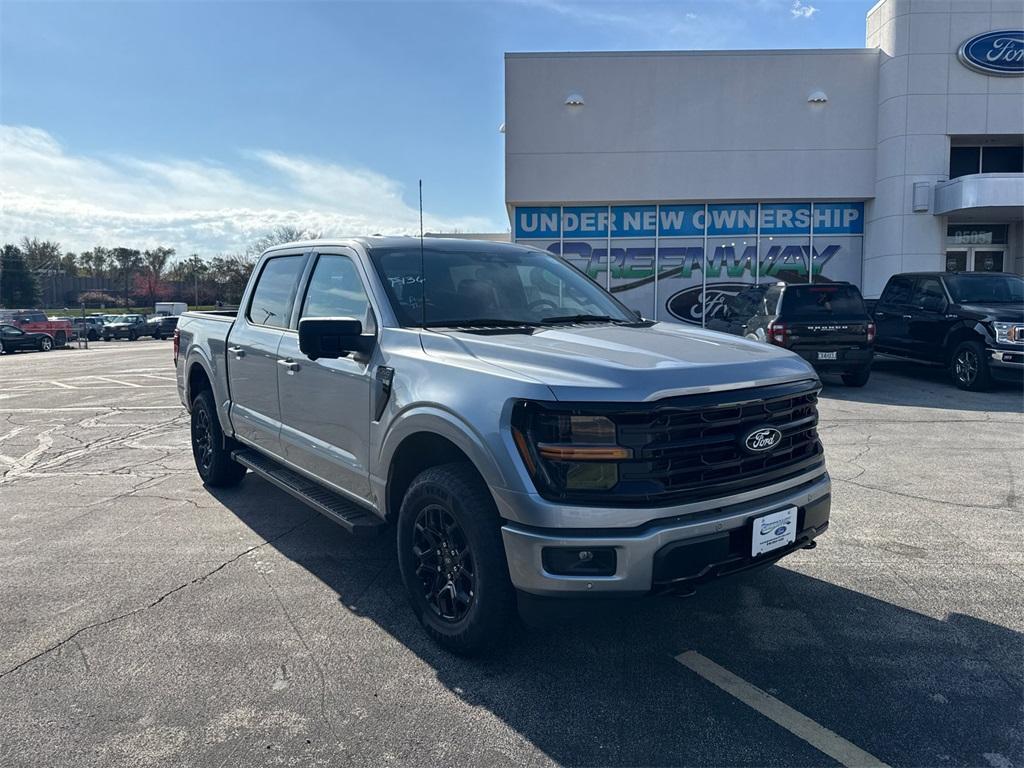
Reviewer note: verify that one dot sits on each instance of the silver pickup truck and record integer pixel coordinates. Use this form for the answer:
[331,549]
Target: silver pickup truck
[522,429]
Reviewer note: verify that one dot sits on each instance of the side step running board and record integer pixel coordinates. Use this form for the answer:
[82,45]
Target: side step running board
[355,519]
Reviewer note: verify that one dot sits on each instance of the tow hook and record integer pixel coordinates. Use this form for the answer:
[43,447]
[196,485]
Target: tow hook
[810,544]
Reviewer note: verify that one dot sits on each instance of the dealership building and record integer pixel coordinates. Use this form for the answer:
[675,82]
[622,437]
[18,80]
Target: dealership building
[676,178]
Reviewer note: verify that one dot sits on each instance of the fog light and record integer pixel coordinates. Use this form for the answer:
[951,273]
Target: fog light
[577,561]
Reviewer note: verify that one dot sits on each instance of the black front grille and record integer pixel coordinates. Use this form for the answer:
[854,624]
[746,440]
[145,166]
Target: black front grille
[688,451]
[691,448]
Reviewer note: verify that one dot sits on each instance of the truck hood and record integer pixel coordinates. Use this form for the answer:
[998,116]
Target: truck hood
[1003,313]
[628,364]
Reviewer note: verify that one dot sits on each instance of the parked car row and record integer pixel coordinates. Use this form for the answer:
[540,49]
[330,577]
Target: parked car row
[972,323]
[32,330]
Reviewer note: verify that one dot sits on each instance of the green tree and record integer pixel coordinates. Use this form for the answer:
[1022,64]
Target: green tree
[41,254]
[127,261]
[18,286]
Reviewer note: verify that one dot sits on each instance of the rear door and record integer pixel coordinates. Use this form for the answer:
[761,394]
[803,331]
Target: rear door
[252,360]
[325,404]
[892,315]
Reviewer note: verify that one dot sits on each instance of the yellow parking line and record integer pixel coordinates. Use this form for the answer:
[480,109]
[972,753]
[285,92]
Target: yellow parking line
[818,736]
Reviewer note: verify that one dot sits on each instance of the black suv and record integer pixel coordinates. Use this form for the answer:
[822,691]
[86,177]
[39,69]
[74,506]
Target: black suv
[128,327]
[972,322]
[825,323]
[162,326]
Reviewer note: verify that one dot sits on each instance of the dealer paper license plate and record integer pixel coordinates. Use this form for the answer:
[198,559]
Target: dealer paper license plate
[827,355]
[773,531]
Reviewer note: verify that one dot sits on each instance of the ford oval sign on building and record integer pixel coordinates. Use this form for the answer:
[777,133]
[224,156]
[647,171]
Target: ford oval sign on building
[995,53]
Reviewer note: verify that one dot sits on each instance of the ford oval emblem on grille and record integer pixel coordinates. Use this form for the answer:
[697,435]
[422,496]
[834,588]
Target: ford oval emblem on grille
[762,439]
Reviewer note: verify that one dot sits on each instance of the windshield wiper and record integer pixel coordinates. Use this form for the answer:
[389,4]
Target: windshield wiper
[481,322]
[559,319]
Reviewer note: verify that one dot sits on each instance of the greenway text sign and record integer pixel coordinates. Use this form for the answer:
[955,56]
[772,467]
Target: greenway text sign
[995,53]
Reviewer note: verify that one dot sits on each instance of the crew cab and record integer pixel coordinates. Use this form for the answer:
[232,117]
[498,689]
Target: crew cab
[825,323]
[522,429]
[59,330]
[971,322]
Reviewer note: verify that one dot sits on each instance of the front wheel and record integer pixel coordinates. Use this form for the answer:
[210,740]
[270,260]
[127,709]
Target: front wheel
[45,344]
[212,453]
[452,559]
[857,378]
[969,367]
[132,335]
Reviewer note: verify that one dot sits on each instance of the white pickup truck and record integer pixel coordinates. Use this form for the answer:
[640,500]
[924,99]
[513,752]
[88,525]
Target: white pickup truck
[521,428]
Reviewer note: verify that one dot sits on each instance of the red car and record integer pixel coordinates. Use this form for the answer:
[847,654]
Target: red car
[35,320]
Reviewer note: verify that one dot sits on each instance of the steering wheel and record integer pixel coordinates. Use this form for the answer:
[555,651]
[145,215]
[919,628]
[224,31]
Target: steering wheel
[542,304]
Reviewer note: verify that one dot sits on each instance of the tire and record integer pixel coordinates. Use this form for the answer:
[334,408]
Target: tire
[210,449]
[106,338]
[92,336]
[449,508]
[857,378]
[159,337]
[969,368]
[60,339]
[45,344]
[132,335]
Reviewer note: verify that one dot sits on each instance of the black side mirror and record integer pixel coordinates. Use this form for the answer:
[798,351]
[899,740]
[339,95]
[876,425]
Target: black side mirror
[333,337]
[933,304]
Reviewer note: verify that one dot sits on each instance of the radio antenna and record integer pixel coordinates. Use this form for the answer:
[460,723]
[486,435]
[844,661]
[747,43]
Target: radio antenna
[423,270]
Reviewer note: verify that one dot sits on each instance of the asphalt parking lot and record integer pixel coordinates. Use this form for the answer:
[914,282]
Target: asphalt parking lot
[147,621]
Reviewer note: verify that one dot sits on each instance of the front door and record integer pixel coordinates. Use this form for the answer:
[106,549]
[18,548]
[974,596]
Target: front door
[325,404]
[252,353]
[892,314]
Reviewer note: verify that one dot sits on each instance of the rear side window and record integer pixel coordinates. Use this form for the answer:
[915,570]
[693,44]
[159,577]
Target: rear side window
[897,291]
[272,299]
[818,300]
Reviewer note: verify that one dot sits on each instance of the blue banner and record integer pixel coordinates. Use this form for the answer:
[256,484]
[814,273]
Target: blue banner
[724,219]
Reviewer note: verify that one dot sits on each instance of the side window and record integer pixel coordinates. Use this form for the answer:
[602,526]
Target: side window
[272,299]
[927,287]
[336,290]
[897,292]
[10,330]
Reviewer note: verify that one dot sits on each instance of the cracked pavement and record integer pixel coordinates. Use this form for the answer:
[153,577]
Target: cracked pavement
[147,621]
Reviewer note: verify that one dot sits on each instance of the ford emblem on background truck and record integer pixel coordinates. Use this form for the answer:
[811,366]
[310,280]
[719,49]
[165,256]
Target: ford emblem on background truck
[995,53]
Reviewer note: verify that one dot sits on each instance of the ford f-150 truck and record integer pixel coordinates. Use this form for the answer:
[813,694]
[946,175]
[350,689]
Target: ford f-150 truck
[522,429]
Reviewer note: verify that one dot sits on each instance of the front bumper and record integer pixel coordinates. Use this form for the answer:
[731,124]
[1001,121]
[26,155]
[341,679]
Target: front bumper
[1006,363]
[668,553]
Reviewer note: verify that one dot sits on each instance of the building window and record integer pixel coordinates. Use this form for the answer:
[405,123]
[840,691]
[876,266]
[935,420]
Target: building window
[964,161]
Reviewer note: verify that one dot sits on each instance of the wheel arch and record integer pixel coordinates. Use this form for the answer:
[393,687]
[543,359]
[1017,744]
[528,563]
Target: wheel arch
[426,439]
[960,334]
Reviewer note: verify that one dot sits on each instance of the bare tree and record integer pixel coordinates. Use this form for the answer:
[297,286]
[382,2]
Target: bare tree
[277,237]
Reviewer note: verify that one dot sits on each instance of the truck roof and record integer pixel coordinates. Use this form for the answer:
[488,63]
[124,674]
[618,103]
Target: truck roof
[395,242]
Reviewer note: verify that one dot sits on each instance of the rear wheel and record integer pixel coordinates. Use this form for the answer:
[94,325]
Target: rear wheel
[969,368]
[45,344]
[452,559]
[857,378]
[211,451]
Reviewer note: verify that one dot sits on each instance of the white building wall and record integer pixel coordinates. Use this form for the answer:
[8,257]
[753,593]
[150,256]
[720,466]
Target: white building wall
[925,95]
[700,125]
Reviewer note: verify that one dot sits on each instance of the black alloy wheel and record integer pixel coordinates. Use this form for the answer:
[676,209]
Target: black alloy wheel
[202,441]
[444,563]
[969,368]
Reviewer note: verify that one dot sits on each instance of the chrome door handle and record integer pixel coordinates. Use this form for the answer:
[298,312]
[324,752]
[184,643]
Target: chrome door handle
[237,351]
[290,364]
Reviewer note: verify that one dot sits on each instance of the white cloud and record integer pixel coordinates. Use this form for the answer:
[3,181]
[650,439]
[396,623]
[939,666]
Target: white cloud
[80,201]
[802,10]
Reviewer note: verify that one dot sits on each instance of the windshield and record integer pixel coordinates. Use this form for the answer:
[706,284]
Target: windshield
[125,319]
[506,286]
[821,300]
[986,289]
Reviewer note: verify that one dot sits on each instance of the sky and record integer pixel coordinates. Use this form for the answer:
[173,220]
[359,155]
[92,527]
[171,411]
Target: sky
[203,125]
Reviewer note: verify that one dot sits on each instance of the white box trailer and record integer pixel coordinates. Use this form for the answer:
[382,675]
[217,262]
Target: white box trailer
[170,308]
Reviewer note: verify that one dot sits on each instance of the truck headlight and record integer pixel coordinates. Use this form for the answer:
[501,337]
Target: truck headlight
[1007,333]
[567,452]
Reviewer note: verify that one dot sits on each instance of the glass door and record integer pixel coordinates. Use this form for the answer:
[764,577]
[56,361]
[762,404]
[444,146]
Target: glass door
[987,260]
[956,260]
